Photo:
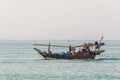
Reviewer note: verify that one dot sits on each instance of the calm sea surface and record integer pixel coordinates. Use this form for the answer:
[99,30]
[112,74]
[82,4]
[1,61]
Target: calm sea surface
[18,61]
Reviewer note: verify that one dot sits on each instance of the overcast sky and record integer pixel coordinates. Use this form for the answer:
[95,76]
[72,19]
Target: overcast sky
[59,19]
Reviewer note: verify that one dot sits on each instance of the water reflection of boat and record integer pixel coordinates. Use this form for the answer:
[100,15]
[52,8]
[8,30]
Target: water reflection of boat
[86,51]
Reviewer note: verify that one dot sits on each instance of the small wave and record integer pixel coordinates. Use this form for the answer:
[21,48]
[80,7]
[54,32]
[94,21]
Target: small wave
[19,58]
[108,59]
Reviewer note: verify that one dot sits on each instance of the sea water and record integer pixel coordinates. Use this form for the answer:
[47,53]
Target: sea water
[19,61]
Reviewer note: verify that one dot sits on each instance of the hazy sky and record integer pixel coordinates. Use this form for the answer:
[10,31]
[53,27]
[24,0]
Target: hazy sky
[59,19]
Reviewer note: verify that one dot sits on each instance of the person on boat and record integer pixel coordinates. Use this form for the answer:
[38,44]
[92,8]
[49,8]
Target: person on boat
[73,53]
[97,45]
[85,47]
[73,50]
[79,51]
[83,50]
[88,49]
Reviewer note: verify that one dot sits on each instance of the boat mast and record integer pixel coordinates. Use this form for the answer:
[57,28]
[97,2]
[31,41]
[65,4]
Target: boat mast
[69,49]
[49,48]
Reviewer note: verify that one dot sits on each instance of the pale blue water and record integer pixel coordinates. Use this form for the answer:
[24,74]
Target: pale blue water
[18,61]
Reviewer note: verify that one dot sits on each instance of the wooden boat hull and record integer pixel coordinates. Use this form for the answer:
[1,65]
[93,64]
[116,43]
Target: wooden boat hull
[70,57]
[78,55]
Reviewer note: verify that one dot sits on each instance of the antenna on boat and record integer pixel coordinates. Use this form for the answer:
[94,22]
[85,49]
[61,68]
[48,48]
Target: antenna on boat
[101,39]
[69,43]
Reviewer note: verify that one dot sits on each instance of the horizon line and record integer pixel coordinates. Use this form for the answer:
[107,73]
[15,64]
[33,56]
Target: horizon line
[55,39]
